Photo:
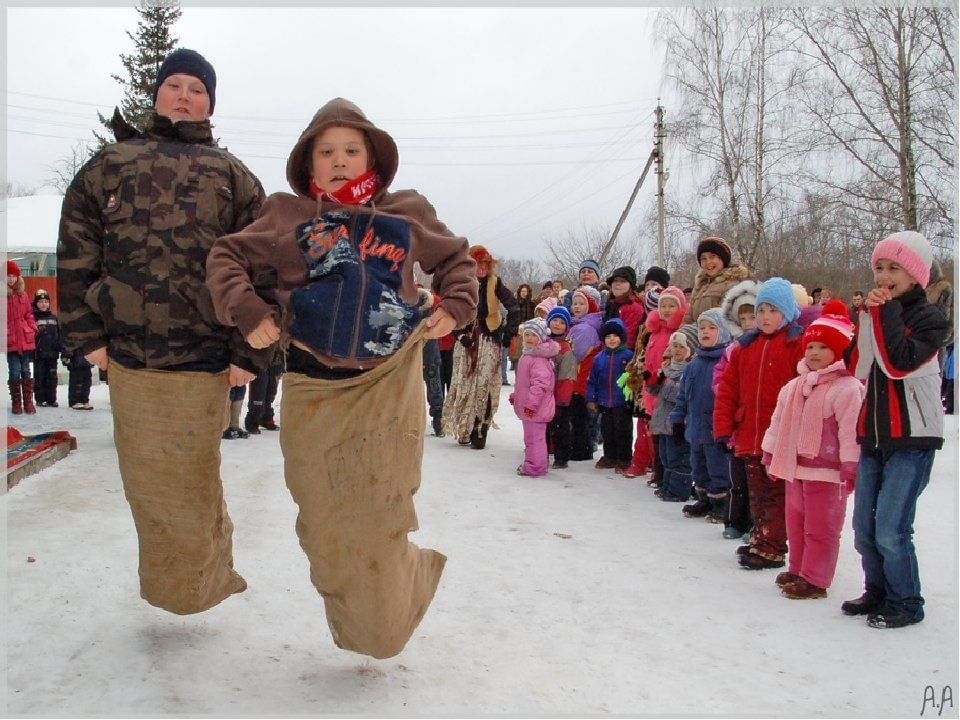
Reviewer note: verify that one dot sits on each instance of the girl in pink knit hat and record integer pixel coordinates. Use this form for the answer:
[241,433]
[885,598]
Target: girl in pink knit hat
[899,429]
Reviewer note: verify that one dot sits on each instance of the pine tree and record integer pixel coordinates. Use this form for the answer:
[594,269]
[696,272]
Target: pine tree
[152,43]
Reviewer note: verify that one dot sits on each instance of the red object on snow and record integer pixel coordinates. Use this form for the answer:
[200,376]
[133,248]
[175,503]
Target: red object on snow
[13,435]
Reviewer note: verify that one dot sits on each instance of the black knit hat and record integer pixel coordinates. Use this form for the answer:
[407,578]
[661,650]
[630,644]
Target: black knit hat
[657,274]
[718,246]
[627,273]
[188,62]
[614,326]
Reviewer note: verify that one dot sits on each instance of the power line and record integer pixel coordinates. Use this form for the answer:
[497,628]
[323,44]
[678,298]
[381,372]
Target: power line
[526,204]
[520,116]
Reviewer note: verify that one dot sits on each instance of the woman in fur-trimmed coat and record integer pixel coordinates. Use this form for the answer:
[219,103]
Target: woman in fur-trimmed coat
[715,276]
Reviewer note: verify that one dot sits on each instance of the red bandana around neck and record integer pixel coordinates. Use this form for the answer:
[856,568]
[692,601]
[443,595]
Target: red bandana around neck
[356,192]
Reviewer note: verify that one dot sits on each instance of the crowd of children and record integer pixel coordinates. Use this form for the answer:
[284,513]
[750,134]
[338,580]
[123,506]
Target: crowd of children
[758,409]
[33,336]
[760,414]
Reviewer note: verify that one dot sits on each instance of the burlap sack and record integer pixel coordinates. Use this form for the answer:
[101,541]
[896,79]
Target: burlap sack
[166,426]
[352,452]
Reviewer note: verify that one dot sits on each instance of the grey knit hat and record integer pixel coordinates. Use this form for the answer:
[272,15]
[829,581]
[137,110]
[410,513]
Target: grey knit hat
[536,326]
[688,335]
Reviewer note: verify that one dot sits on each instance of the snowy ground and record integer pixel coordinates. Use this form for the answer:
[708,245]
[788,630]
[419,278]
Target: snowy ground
[578,594]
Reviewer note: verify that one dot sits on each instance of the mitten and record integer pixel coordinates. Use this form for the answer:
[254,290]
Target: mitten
[466,340]
[848,475]
[622,384]
[529,412]
[679,429]
[510,399]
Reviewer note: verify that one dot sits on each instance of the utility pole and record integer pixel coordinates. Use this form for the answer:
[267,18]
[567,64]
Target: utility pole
[661,179]
[655,155]
[626,210]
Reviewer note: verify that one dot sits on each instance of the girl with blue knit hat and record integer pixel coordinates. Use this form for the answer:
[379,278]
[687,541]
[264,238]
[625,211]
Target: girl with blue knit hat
[692,420]
[764,362]
[565,370]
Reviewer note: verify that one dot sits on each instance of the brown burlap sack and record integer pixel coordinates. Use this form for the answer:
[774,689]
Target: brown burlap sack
[166,426]
[352,452]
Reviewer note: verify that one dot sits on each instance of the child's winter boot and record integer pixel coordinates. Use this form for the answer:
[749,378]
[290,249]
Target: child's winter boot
[800,589]
[718,507]
[27,385]
[16,398]
[699,508]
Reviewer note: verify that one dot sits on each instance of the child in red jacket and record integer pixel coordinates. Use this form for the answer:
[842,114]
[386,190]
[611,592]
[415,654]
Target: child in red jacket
[625,302]
[746,397]
[565,369]
[21,334]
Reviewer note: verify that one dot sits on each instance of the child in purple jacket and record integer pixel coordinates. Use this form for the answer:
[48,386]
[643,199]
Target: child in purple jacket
[533,400]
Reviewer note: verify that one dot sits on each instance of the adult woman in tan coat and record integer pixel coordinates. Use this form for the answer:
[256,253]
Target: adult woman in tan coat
[715,277]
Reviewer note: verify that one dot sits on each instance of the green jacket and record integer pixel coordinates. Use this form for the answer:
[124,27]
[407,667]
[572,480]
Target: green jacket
[137,224]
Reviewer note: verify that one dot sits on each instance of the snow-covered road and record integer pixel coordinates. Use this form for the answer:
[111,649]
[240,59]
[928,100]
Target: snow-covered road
[575,594]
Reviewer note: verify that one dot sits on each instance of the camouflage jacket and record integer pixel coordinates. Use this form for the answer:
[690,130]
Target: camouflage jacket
[137,223]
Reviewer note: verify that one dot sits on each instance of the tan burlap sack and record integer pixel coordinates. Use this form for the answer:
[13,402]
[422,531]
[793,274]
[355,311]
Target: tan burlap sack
[352,452]
[167,427]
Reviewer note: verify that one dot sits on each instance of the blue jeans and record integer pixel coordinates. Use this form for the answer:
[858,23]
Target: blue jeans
[504,364]
[18,366]
[677,480]
[884,506]
[711,467]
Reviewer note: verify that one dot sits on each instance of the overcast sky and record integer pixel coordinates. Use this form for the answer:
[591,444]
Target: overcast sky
[517,124]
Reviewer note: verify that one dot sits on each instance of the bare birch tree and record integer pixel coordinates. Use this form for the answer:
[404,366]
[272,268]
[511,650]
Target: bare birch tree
[885,98]
[704,63]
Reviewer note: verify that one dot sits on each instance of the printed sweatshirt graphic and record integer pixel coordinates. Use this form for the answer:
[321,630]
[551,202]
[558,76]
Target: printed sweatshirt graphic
[351,307]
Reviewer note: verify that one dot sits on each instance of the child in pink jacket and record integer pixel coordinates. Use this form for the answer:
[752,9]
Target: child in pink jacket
[533,400]
[812,444]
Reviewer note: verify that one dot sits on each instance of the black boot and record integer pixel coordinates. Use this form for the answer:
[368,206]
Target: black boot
[863,605]
[478,438]
[719,505]
[699,508]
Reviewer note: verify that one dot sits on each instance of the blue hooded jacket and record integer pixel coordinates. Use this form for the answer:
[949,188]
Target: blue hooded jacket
[695,396]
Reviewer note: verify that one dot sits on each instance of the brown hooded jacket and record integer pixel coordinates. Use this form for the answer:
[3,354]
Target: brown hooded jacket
[338,279]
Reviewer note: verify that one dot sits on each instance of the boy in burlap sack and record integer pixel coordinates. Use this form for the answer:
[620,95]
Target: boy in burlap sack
[137,223]
[328,271]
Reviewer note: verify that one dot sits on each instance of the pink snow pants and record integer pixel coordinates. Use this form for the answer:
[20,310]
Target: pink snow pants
[535,448]
[815,512]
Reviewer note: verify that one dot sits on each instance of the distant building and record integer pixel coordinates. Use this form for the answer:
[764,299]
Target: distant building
[32,224]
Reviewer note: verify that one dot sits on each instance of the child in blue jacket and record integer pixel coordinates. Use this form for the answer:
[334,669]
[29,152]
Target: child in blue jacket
[605,395]
[692,420]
